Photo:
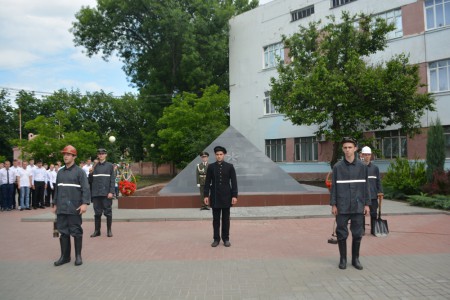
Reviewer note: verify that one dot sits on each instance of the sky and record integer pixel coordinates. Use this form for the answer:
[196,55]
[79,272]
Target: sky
[37,52]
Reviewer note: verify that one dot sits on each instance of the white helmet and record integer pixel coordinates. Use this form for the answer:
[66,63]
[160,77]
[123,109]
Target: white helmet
[366,150]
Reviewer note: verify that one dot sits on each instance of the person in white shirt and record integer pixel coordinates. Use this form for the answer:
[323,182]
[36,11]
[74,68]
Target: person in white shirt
[39,185]
[7,178]
[14,168]
[24,184]
[2,165]
[87,167]
[31,166]
[51,181]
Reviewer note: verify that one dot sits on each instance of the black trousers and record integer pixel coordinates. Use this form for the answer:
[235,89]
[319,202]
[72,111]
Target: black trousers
[39,192]
[69,225]
[356,226]
[373,208]
[102,205]
[16,191]
[49,196]
[225,223]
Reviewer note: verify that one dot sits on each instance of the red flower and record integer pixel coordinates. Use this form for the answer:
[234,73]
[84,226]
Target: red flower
[127,188]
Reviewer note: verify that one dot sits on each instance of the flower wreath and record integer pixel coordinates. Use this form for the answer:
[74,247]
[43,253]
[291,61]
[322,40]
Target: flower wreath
[127,188]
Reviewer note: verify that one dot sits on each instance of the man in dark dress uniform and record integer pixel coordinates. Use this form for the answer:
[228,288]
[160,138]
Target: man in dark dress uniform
[349,201]
[71,199]
[103,186]
[200,173]
[221,193]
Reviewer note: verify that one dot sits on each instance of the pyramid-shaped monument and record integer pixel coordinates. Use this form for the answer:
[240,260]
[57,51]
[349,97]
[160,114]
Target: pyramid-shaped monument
[256,173]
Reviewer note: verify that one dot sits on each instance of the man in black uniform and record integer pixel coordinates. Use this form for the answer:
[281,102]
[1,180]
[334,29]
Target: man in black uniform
[350,201]
[103,180]
[71,199]
[375,187]
[221,193]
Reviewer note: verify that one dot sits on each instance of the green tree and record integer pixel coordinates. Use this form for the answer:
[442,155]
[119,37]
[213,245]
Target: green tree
[29,107]
[51,137]
[435,149]
[166,46]
[7,128]
[191,123]
[103,114]
[328,81]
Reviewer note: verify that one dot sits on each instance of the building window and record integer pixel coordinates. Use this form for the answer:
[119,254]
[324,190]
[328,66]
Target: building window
[269,108]
[447,141]
[276,149]
[302,13]
[336,3]
[437,13]
[272,54]
[439,74]
[392,144]
[306,149]
[395,17]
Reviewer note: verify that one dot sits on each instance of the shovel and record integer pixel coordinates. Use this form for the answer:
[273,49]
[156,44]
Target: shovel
[381,226]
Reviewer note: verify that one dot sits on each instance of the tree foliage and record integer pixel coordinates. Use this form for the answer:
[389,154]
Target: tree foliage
[191,123]
[165,45]
[86,121]
[8,129]
[435,149]
[330,83]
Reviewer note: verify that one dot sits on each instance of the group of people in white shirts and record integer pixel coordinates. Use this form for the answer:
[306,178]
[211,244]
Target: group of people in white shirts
[26,185]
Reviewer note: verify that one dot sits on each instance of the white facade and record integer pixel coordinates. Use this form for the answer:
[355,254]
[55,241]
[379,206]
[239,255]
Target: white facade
[252,31]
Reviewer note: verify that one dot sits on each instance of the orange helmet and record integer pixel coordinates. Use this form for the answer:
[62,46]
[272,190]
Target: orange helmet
[69,149]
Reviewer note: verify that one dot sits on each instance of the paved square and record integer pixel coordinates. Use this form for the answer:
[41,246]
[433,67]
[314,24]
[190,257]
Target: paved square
[268,259]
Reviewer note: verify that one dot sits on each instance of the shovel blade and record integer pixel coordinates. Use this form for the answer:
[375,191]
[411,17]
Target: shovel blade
[381,228]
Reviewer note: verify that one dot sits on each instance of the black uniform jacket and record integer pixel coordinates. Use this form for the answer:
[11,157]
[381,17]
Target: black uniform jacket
[220,184]
[350,188]
[374,181]
[103,179]
[71,190]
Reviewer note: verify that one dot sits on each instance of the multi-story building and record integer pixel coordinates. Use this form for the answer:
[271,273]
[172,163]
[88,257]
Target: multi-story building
[422,31]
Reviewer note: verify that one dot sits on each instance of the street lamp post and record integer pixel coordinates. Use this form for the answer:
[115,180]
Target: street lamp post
[112,140]
[153,160]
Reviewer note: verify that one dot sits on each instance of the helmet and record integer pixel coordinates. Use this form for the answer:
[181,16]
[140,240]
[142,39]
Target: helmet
[366,150]
[69,149]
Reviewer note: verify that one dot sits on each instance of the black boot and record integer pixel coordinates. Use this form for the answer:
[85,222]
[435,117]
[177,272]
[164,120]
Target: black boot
[98,221]
[64,241]
[372,225]
[108,225]
[355,254]
[78,245]
[343,253]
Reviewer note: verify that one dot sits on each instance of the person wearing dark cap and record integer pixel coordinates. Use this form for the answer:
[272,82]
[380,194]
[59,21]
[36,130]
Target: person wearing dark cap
[103,181]
[72,196]
[221,192]
[350,201]
[201,177]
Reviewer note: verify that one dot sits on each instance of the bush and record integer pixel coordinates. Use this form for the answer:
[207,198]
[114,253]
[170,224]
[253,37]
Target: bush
[437,201]
[439,185]
[404,178]
[435,149]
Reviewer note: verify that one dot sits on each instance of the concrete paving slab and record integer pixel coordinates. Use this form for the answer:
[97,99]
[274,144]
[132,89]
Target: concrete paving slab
[268,212]
[268,259]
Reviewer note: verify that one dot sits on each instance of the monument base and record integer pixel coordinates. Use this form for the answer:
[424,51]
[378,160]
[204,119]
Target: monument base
[193,201]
